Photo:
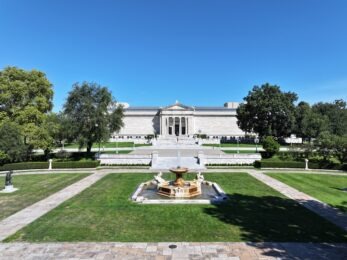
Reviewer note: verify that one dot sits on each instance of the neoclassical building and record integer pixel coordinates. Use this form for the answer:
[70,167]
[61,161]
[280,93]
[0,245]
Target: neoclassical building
[180,120]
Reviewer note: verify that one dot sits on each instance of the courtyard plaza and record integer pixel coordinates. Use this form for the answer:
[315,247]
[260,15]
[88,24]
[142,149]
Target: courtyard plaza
[17,246]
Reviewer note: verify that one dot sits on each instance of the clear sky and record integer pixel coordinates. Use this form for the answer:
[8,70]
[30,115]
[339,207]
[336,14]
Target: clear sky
[198,52]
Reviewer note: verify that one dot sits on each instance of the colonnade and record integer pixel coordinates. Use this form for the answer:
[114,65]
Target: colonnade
[174,126]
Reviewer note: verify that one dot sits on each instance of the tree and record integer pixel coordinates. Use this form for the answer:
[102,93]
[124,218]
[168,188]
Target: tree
[313,124]
[336,113]
[271,146]
[25,98]
[12,147]
[301,112]
[267,111]
[93,112]
[332,145]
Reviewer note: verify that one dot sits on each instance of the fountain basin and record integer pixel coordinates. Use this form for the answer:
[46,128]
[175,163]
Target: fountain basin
[147,193]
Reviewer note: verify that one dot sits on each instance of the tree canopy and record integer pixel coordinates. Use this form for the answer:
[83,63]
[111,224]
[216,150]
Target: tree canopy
[25,99]
[94,113]
[267,111]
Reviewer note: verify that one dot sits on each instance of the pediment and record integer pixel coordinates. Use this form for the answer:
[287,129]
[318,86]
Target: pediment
[177,106]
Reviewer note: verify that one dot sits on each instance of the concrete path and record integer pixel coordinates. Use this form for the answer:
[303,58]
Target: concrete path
[232,251]
[322,209]
[15,222]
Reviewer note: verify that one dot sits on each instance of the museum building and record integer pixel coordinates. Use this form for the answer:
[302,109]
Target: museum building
[179,120]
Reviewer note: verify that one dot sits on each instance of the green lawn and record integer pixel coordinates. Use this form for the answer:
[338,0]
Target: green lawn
[33,188]
[109,145]
[254,212]
[240,151]
[117,152]
[327,188]
[233,145]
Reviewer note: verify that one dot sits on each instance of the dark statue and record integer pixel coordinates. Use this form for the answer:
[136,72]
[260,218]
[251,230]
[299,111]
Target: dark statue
[8,179]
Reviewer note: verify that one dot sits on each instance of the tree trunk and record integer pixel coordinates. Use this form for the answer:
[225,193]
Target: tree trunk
[89,147]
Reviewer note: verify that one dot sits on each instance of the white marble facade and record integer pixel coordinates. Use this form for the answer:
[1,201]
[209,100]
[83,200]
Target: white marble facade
[180,120]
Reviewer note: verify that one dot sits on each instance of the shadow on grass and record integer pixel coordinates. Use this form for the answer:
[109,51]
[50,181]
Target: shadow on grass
[272,218]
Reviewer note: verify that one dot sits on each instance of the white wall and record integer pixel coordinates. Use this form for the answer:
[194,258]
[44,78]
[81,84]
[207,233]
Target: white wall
[140,125]
[218,125]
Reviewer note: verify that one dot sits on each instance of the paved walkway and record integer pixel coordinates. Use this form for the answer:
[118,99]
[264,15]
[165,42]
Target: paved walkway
[232,251]
[322,209]
[15,222]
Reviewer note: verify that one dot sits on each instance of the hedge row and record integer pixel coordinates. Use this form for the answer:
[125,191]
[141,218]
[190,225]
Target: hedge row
[44,165]
[299,164]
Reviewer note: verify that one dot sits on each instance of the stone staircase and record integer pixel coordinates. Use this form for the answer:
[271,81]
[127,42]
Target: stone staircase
[174,141]
[166,163]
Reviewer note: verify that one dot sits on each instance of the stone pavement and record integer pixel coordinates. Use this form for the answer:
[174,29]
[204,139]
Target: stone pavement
[322,209]
[15,222]
[156,251]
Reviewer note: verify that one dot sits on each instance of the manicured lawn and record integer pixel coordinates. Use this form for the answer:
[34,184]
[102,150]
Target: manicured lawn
[33,188]
[109,145]
[240,151]
[327,188]
[119,152]
[254,212]
[233,145]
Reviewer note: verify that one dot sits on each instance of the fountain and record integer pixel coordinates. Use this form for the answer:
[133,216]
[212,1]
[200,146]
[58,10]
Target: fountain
[179,187]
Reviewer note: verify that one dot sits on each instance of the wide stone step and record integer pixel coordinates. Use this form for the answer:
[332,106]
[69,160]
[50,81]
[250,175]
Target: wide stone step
[166,163]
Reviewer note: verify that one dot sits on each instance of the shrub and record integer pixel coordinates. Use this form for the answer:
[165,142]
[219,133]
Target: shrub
[271,146]
[44,165]
[24,166]
[74,164]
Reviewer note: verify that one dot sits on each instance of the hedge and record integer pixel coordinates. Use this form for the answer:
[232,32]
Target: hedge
[74,164]
[24,166]
[299,164]
[44,165]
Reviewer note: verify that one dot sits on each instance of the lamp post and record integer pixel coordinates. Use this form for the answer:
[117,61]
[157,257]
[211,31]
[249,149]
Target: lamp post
[116,144]
[238,146]
[96,126]
[256,141]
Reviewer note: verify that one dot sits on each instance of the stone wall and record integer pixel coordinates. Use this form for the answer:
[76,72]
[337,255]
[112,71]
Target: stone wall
[230,158]
[124,159]
[140,125]
[217,125]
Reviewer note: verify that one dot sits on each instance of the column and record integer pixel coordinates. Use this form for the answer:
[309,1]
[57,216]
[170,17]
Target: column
[187,126]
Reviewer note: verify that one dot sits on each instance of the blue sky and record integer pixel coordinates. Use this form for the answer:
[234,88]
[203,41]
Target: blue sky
[198,52]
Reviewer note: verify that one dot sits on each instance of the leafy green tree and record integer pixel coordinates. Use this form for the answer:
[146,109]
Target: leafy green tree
[336,113]
[91,109]
[267,111]
[59,128]
[271,146]
[25,98]
[314,124]
[302,110]
[332,145]
[12,148]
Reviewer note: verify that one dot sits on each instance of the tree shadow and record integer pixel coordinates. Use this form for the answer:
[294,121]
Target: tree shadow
[272,218]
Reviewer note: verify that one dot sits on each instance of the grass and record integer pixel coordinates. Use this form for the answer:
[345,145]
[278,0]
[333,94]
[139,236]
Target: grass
[33,188]
[240,151]
[233,145]
[108,145]
[117,152]
[327,188]
[254,212]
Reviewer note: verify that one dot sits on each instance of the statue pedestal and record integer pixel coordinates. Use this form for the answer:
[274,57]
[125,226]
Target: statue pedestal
[8,189]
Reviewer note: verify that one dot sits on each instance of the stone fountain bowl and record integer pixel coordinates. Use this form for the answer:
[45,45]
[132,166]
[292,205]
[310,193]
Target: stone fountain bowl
[179,170]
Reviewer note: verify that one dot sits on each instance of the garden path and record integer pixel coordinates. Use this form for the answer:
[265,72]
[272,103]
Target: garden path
[322,209]
[231,251]
[17,221]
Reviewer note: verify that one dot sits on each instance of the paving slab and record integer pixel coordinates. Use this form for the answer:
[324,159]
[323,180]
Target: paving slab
[114,250]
